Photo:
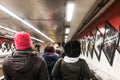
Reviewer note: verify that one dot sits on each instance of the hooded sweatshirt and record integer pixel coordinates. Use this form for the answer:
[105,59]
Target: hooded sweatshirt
[24,65]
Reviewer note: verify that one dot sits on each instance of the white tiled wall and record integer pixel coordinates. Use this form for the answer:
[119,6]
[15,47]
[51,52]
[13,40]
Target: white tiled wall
[103,68]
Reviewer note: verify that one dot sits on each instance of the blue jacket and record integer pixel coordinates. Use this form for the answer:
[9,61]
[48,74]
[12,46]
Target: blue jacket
[50,60]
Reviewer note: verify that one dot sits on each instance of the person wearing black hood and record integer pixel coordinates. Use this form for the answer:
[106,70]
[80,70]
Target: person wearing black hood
[71,67]
[24,64]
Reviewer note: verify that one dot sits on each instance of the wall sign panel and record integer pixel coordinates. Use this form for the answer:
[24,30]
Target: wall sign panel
[118,46]
[91,45]
[110,42]
[98,44]
[84,46]
[81,45]
[87,42]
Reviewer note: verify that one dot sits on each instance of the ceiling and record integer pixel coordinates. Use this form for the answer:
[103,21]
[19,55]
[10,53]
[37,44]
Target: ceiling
[47,16]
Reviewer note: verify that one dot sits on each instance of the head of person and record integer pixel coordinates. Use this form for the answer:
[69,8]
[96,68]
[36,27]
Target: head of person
[49,49]
[22,41]
[72,49]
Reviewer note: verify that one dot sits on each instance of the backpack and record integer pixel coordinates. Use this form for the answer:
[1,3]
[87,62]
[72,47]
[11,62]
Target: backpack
[59,77]
[85,72]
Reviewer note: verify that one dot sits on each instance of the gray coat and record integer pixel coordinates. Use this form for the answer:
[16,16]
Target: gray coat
[24,65]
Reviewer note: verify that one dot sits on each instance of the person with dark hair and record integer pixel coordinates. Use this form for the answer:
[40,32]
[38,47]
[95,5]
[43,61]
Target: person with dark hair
[71,67]
[50,57]
[23,63]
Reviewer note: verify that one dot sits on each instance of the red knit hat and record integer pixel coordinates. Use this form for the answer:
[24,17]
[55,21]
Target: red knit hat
[22,41]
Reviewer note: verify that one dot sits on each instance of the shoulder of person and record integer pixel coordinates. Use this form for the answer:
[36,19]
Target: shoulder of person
[39,58]
[82,60]
[56,54]
[59,60]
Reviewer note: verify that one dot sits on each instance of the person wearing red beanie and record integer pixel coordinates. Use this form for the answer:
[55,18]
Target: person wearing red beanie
[23,63]
[22,41]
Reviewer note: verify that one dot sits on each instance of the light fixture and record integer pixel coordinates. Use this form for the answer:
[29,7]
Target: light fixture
[66,36]
[23,21]
[65,40]
[8,29]
[37,39]
[9,36]
[67,30]
[70,8]
[11,30]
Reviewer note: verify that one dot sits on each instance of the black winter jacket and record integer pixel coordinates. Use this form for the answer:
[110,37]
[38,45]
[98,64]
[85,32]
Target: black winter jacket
[24,65]
[71,71]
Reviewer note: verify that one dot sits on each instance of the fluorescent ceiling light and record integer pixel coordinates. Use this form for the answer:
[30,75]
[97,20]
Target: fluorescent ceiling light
[70,8]
[66,36]
[23,21]
[11,30]
[6,36]
[9,36]
[37,39]
[67,30]
[65,40]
